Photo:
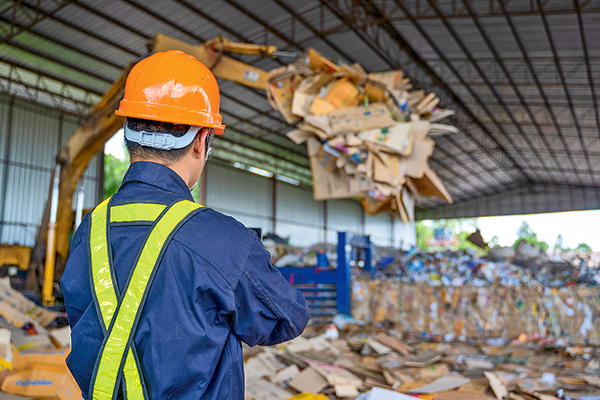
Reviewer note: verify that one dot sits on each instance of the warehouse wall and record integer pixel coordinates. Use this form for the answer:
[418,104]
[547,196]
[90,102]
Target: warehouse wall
[249,198]
[30,138]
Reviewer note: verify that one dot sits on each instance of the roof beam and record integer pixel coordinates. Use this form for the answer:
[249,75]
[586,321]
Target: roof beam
[533,74]
[39,16]
[483,76]
[564,82]
[86,32]
[587,63]
[394,64]
[404,44]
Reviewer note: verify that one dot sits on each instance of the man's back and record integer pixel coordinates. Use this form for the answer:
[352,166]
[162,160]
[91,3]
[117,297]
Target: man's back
[213,288]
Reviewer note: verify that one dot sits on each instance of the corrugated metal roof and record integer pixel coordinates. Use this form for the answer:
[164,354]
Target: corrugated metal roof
[495,61]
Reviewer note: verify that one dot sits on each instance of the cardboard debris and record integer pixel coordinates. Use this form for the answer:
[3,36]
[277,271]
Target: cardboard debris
[366,133]
[309,380]
[520,371]
[442,384]
[262,389]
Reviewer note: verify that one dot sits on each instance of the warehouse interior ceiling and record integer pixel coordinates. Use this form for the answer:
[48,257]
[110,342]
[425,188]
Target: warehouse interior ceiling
[522,76]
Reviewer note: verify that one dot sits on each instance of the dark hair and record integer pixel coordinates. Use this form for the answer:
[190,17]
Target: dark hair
[137,151]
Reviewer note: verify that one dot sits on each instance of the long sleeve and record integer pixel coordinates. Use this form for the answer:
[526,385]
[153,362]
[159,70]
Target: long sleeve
[76,290]
[268,309]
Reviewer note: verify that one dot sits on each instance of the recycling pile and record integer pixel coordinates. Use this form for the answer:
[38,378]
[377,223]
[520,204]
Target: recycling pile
[465,268]
[370,363]
[368,135]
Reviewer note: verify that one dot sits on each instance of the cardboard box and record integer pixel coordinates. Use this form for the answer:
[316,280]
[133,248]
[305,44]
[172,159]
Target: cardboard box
[26,359]
[357,119]
[44,383]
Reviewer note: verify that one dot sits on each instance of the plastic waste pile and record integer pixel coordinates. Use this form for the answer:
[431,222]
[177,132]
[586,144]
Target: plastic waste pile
[465,268]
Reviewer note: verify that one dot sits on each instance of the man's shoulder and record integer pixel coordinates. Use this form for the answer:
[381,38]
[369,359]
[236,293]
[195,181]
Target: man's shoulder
[218,238]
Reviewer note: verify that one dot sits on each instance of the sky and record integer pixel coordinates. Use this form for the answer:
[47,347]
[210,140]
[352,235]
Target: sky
[115,145]
[575,227]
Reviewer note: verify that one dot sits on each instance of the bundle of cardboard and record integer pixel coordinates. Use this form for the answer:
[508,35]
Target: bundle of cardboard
[368,136]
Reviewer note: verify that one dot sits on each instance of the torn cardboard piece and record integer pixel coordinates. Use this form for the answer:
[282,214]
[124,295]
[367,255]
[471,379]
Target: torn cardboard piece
[442,384]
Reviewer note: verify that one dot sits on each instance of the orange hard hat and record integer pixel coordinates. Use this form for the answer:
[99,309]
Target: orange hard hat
[173,87]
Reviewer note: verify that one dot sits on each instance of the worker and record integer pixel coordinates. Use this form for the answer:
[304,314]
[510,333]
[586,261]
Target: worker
[159,290]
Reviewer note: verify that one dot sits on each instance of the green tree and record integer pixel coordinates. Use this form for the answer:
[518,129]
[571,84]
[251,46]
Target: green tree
[527,234]
[494,242]
[584,248]
[424,235]
[114,171]
[558,246]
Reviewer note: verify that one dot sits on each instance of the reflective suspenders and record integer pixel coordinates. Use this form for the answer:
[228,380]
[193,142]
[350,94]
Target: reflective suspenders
[119,314]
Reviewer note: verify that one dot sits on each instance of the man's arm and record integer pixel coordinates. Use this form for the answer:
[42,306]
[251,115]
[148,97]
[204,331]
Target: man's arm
[75,281]
[268,309]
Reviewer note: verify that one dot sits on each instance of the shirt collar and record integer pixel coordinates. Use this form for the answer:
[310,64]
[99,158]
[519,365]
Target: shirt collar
[157,175]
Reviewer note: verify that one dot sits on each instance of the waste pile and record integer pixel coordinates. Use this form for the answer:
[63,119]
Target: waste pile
[32,357]
[380,363]
[368,136]
[451,268]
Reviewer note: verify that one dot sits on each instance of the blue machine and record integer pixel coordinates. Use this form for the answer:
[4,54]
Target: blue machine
[327,290]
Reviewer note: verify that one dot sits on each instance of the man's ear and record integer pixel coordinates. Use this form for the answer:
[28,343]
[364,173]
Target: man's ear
[199,143]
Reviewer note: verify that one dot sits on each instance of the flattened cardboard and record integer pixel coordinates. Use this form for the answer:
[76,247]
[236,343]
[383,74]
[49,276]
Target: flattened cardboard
[416,162]
[431,185]
[281,93]
[394,343]
[396,138]
[335,375]
[357,119]
[497,386]
[344,391]
[442,384]
[302,103]
[388,169]
[391,79]
[332,185]
[342,94]
[309,381]
[424,359]
[299,136]
[262,389]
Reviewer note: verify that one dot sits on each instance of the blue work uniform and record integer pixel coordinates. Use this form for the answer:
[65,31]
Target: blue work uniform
[214,288]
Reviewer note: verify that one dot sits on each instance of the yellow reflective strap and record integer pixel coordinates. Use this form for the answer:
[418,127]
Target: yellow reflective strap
[136,212]
[103,284]
[114,347]
[133,383]
[105,292]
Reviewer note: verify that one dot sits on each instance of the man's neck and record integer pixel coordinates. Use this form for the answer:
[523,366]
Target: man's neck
[182,170]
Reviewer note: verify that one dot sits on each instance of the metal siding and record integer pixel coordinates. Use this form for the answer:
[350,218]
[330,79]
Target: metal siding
[405,236]
[245,196]
[379,227]
[343,216]
[35,140]
[296,204]
[300,235]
